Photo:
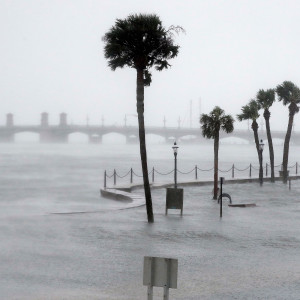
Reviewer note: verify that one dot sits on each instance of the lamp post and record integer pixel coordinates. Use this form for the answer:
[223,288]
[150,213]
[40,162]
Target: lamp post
[174,199]
[175,149]
[261,149]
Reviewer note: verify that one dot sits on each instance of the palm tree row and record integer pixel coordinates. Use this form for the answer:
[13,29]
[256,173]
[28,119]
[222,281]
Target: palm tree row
[289,94]
[216,120]
[141,42]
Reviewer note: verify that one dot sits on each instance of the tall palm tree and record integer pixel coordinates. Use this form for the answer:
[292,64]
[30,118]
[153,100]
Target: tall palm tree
[266,100]
[250,112]
[289,94]
[141,42]
[212,123]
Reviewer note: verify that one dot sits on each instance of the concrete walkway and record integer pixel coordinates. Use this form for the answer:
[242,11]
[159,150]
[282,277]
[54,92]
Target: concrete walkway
[128,192]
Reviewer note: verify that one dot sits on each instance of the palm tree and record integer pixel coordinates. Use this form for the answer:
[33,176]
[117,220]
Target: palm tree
[141,42]
[289,94]
[212,123]
[250,112]
[265,100]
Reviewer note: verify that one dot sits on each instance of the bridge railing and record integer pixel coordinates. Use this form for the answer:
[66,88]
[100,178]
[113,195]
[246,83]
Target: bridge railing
[194,174]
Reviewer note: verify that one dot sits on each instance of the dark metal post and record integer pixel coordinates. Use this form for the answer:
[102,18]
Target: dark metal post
[250,170]
[115,177]
[221,192]
[175,148]
[266,169]
[131,175]
[233,171]
[152,174]
[175,170]
[196,174]
[289,183]
[105,179]
[261,169]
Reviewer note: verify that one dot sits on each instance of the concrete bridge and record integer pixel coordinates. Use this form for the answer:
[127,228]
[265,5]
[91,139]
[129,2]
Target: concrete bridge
[59,133]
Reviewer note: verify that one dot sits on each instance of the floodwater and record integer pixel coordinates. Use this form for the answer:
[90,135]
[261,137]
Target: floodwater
[61,240]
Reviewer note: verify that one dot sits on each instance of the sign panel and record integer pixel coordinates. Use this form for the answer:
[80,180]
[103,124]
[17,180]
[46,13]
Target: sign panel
[160,272]
[174,199]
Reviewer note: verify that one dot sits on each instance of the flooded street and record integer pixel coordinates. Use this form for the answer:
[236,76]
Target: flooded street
[60,240]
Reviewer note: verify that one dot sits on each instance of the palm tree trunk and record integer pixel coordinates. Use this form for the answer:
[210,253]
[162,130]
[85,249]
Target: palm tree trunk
[270,142]
[255,132]
[143,152]
[285,158]
[216,165]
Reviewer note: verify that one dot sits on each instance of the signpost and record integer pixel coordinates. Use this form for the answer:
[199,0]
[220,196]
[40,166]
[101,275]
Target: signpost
[160,272]
[221,200]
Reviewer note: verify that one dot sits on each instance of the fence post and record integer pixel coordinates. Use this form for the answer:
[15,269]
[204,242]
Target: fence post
[115,177]
[105,179]
[250,170]
[152,174]
[233,171]
[266,169]
[131,175]
[196,174]
[296,168]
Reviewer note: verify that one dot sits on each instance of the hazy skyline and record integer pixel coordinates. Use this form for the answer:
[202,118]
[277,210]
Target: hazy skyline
[51,59]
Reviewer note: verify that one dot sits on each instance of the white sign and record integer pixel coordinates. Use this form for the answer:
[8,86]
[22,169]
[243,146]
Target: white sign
[161,272]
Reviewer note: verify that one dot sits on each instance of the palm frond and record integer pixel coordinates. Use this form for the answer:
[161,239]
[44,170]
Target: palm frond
[214,121]
[249,111]
[266,98]
[140,41]
[288,92]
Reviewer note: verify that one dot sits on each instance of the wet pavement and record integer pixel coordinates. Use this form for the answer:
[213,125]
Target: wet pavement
[251,253]
[60,240]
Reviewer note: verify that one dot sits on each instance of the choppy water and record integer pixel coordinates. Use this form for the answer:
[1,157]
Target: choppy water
[250,254]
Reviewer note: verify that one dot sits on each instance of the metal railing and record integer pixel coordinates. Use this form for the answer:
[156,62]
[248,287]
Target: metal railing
[154,173]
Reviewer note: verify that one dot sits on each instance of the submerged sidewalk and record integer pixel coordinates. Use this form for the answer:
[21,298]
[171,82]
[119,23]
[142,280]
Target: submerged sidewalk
[127,192]
[248,254]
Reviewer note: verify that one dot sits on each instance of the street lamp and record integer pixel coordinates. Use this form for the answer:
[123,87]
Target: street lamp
[175,149]
[261,149]
[174,199]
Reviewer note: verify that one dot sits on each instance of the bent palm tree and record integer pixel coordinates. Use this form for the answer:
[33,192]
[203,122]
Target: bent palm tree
[212,123]
[289,94]
[141,42]
[250,112]
[266,99]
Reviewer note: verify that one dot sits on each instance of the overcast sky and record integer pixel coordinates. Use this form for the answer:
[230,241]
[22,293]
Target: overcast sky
[51,59]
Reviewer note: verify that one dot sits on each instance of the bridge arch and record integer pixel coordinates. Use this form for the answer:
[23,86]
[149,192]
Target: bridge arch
[78,137]
[188,137]
[234,140]
[114,138]
[27,136]
[154,138]
[277,141]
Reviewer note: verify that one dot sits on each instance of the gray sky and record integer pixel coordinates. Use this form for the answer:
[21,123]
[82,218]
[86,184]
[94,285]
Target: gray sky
[51,59]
